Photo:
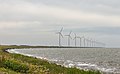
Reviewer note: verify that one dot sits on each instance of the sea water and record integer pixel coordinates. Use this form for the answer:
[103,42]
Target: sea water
[103,59]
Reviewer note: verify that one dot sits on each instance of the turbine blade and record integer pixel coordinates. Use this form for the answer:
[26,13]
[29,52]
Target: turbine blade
[70,37]
[74,38]
[70,32]
[61,29]
[75,34]
[61,35]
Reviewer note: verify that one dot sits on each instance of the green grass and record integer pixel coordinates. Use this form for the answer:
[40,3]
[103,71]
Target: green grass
[7,71]
[16,63]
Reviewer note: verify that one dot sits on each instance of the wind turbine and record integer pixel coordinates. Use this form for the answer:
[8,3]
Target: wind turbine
[84,41]
[94,43]
[91,43]
[60,35]
[75,38]
[97,44]
[87,42]
[69,37]
[80,41]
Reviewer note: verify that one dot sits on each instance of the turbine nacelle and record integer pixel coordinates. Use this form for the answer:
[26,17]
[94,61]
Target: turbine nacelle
[75,36]
[69,35]
[60,34]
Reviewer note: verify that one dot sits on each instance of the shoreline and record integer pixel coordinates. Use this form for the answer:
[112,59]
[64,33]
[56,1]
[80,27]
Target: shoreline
[18,47]
[57,62]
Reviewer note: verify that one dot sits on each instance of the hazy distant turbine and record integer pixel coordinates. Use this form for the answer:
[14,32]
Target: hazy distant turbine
[69,37]
[80,41]
[75,38]
[84,42]
[60,35]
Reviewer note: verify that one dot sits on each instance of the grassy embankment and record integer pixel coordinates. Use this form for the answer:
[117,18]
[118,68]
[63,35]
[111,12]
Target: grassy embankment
[19,64]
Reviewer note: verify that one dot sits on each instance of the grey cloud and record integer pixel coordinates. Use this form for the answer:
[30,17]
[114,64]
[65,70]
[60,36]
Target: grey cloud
[29,11]
[100,30]
[99,6]
[60,13]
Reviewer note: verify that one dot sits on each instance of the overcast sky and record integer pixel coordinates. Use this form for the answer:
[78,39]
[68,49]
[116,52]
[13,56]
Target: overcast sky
[35,22]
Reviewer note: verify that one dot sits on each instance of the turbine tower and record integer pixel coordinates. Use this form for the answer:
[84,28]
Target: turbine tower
[75,38]
[87,42]
[60,35]
[84,41]
[69,37]
[91,43]
[80,41]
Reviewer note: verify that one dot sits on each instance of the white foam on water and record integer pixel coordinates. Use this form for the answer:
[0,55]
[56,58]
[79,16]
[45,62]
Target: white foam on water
[95,67]
[12,51]
[85,65]
[107,70]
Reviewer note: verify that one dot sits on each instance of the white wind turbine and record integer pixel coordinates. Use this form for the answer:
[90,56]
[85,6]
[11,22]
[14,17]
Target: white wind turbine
[69,37]
[60,35]
[94,43]
[80,40]
[75,38]
[84,41]
[87,42]
[91,42]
